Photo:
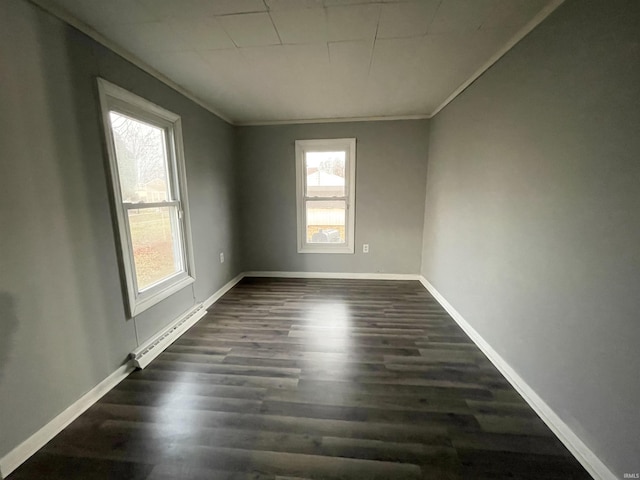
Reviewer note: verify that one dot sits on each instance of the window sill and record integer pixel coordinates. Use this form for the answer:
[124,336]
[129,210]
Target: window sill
[149,299]
[309,249]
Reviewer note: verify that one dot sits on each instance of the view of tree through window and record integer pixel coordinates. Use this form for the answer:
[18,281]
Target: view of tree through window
[142,171]
[142,165]
[147,176]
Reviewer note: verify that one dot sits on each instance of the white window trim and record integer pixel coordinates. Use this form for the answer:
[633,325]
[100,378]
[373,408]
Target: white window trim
[126,102]
[327,145]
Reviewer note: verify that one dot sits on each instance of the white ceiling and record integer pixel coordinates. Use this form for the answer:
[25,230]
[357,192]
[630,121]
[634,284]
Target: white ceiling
[255,61]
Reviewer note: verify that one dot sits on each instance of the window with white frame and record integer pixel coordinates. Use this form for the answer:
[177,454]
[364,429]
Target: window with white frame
[147,175]
[325,173]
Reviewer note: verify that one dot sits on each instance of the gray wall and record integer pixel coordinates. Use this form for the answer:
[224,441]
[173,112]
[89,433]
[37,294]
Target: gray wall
[532,219]
[63,325]
[390,188]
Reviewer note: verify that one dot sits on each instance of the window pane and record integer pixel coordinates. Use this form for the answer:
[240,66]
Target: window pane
[155,240]
[142,160]
[326,221]
[325,174]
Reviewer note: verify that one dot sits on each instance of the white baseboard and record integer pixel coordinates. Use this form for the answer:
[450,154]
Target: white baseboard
[35,442]
[337,275]
[583,454]
[224,289]
[592,464]
[144,354]
[148,351]
[155,346]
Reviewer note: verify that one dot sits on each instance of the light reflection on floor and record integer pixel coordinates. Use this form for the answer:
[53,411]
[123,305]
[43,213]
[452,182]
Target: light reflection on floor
[330,324]
[178,398]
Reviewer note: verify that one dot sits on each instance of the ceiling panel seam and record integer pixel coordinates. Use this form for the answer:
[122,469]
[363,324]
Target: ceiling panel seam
[69,18]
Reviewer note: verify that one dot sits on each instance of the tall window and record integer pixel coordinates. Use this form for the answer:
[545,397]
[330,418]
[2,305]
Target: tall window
[144,144]
[325,172]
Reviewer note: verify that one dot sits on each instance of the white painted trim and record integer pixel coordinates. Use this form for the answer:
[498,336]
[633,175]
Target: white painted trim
[113,97]
[61,13]
[583,454]
[67,17]
[143,303]
[523,32]
[35,442]
[383,118]
[348,145]
[149,350]
[224,289]
[336,275]
[137,105]
[596,468]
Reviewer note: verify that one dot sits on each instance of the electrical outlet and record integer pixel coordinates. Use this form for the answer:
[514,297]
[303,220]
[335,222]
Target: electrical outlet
[221,257]
[365,248]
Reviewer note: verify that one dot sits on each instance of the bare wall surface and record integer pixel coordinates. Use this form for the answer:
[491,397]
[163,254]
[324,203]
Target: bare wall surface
[63,323]
[532,220]
[390,187]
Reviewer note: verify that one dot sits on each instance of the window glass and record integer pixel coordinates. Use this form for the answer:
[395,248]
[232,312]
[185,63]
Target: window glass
[142,159]
[326,221]
[147,173]
[325,174]
[325,185]
[155,241]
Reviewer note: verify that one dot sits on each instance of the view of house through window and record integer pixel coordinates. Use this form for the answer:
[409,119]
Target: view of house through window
[325,179]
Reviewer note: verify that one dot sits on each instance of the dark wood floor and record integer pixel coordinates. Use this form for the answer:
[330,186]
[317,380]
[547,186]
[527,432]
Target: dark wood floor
[312,379]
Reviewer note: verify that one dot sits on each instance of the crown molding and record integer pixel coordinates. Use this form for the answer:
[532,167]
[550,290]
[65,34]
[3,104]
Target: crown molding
[523,32]
[381,118]
[59,12]
[64,15]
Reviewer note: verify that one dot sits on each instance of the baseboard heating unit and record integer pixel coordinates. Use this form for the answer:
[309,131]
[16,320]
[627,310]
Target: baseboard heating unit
[145,353]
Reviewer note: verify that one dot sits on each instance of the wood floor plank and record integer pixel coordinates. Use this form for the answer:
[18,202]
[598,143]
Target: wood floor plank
[192,388]
[305,379]
[188,418]
[182,471]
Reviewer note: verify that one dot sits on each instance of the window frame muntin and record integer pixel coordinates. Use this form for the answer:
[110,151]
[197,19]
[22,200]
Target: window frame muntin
[115,98]
[348,145]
